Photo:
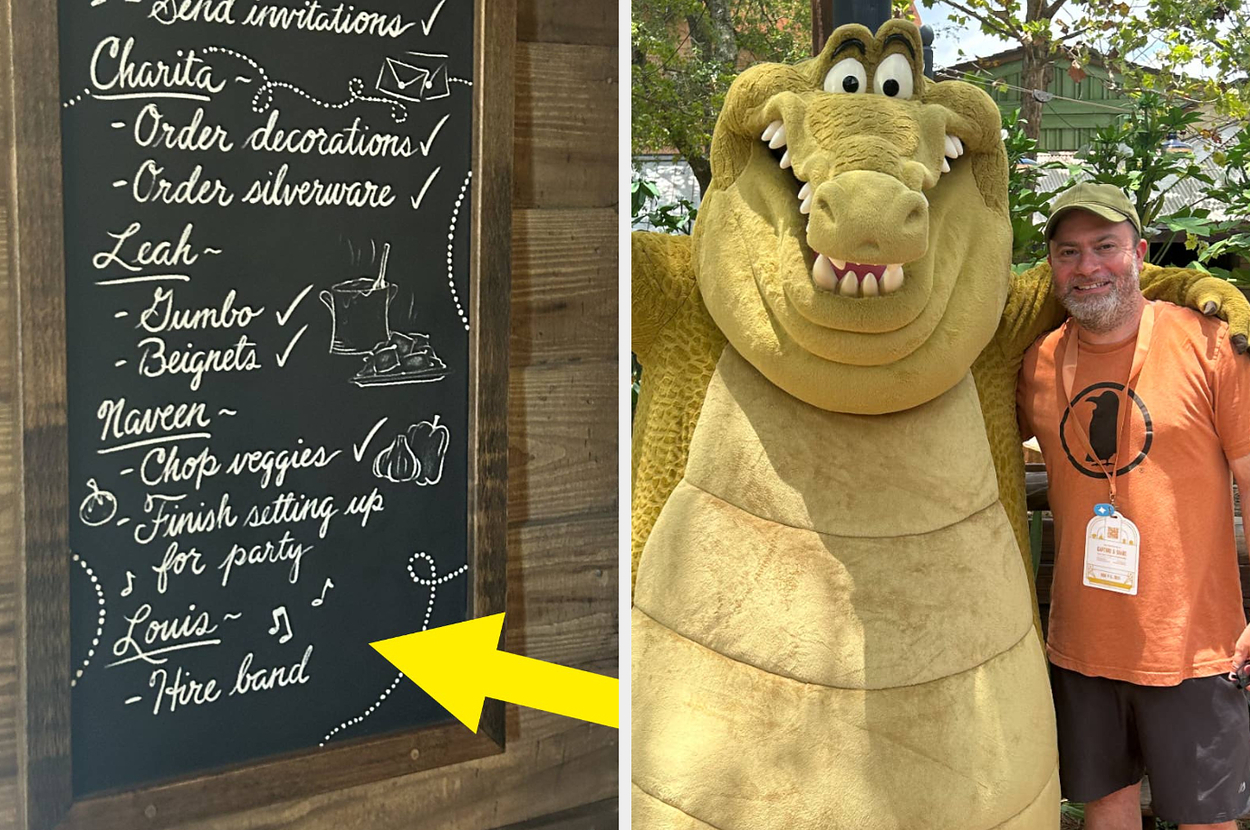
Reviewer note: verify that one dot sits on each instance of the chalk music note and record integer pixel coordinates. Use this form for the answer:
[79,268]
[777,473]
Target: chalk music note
[130,584]
[280,612]
[316,603]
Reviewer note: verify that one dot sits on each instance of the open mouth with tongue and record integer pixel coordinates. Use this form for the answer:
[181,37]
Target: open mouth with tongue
[853,279]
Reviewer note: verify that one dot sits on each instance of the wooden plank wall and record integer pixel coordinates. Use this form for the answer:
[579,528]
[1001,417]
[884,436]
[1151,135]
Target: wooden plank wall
[562,422]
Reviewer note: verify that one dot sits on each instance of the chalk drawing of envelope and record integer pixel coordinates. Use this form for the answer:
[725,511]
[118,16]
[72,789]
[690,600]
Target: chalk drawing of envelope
[400,79]
[436,65]
[419,78]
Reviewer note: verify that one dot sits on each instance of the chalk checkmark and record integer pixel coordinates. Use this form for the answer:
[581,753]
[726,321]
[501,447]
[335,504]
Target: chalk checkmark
[416,203]
[425,145]
[283,316]
[289,346]
[429,24]
[358,450]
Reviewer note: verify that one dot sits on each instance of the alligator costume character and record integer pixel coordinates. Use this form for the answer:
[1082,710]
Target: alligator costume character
[833,621]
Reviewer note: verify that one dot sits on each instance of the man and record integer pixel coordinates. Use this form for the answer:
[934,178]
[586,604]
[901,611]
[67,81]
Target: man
[1146,615]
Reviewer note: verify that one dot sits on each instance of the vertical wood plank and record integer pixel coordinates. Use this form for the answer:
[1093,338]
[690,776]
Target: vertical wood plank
[32,157]
[495,23]
[10,506]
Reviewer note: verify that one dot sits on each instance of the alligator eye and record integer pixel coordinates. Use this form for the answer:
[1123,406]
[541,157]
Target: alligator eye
[894,77]
[847,75]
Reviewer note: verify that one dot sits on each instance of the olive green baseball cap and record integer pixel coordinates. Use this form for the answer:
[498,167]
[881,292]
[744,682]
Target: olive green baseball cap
[1105,200]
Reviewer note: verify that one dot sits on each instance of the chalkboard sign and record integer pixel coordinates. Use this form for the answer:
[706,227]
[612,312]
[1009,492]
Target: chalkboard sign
[283,385]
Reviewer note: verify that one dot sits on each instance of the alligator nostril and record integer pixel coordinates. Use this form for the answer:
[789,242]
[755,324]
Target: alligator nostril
[917,215]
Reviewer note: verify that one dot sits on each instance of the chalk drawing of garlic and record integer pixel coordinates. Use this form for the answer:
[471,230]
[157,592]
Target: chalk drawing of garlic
[397,463]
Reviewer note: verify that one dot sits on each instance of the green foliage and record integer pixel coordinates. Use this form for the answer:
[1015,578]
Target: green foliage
[1210,238]
[1130,153]
[635,384]
[1026,201]
[1212,33]
[641,191]
[645,205]
[685,53]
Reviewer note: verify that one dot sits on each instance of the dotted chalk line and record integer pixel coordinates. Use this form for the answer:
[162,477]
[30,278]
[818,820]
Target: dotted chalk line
[86,93]
[262,101]
[432,582]
[355,90]
[451,239]
[99,631]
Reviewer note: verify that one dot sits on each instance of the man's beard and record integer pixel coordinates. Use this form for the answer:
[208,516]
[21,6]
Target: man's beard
[1104,313]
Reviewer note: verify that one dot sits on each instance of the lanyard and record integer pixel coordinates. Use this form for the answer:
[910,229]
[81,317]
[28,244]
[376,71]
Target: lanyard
[1070,354]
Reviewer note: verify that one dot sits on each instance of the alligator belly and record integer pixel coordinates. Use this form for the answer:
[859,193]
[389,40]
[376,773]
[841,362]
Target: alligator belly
[835,610]
[833,629]
[789,678]
[654,814]
[719,742]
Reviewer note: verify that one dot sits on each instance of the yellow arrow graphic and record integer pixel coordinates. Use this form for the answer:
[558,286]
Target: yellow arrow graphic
[460,665]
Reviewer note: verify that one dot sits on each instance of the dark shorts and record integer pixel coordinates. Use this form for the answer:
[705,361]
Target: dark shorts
[1193,739]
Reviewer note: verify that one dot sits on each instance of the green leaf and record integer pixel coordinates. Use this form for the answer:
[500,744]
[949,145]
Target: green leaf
[1190,224]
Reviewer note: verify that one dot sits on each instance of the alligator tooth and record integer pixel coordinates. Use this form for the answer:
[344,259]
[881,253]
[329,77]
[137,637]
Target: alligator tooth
[771,130]
[785,160]
[952,152]
[868,285]
[959,145]
[892,279]
[806,207]
[823,275]
[850,285]
[840,264]
[805,191]
[946,168]
[779,138]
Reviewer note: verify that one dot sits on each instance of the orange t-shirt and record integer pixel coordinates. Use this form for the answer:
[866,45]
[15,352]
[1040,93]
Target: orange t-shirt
[1189,415]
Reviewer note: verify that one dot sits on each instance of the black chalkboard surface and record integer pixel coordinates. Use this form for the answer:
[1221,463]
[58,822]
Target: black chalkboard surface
[266,253]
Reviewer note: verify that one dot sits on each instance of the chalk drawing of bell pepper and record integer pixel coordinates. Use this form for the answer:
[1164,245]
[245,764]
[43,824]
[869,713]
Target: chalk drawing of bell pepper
[428,440]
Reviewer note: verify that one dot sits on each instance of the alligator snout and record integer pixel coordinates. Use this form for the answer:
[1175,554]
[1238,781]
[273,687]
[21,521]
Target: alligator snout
[868,217]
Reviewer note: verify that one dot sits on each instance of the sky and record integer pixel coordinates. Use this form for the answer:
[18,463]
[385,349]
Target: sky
[949,39]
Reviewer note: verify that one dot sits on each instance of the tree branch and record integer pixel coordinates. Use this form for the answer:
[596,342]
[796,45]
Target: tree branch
[713,30]
[1001,25]
[1071,35]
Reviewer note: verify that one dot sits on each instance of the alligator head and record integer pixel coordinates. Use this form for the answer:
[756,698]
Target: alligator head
[854,244]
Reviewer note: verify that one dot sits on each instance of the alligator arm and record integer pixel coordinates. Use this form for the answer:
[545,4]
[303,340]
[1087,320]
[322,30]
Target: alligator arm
[1199,290]
[677,345]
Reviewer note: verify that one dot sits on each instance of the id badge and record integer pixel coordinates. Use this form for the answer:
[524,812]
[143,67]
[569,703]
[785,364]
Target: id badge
[1112,552]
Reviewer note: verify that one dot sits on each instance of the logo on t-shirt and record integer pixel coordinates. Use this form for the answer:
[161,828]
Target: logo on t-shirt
[1100,404]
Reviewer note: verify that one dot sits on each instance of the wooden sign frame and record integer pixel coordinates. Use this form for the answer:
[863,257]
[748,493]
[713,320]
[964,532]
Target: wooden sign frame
[34,599]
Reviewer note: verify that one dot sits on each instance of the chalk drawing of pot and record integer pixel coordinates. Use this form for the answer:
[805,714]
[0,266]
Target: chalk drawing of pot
[360,311]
